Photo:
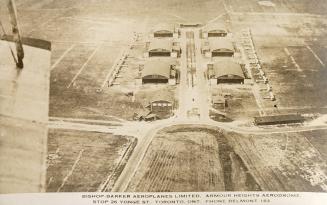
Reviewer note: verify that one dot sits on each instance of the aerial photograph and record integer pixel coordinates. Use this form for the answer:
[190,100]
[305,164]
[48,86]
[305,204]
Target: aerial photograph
[163,96]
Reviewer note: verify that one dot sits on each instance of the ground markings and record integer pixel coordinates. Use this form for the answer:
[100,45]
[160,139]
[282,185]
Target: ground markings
[154,163]
[293,60]
[315,55]
[202,88]
[62,56]
[216,18]
[161,169]
[228,10]
[183,88]
[71,170]
[84,65]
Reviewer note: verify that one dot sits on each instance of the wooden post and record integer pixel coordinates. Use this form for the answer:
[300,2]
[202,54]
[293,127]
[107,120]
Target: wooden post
[16,34]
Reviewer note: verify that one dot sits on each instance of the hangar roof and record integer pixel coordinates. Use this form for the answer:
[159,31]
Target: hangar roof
[226,68]
[162,97]
[159,67]
[169,28]
[161,44]
[220,27]
[221,44]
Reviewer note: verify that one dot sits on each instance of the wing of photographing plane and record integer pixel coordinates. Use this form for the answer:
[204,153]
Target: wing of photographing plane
[24,102]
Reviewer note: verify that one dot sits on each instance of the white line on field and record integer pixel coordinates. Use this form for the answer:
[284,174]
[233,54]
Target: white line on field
[84,65]
[225,7]
[315,55]
[176,16]
[257,97]
[293,60]
[71,170]
[216,18]
[62,56]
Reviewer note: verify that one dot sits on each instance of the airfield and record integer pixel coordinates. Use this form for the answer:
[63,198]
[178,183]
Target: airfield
[94,144]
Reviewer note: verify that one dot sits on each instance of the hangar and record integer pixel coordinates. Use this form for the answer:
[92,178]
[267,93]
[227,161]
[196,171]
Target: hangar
[162,48]
[226,71]
[159,71]
[214,30]
[165,31]
[218,47]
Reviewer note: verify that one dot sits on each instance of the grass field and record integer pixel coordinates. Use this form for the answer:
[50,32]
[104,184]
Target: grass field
[290,57]
[85,161]
[304,6]
[283,162]
[190,158]
[290,82]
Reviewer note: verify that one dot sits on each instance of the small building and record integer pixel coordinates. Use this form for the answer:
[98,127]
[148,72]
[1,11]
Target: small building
[219,102]
[158,71]
[214,30]
[165,31]
[218,47]
[279,119]
[226,71]
[151,117]
[141,115]
[162,108]
[190,24]
[162,47]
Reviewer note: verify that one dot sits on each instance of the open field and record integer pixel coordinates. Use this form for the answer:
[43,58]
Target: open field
[291,59]
[304,6]
[85,161]
[190,158]
[284,162]
[294,72]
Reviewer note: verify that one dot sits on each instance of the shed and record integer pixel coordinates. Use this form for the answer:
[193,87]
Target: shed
[279,119]
[219,101]
[162,106]
[227,71]
[141,115]
[190,24]
[151,117]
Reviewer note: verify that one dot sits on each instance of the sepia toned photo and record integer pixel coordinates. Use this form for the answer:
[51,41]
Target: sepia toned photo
[163,96]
